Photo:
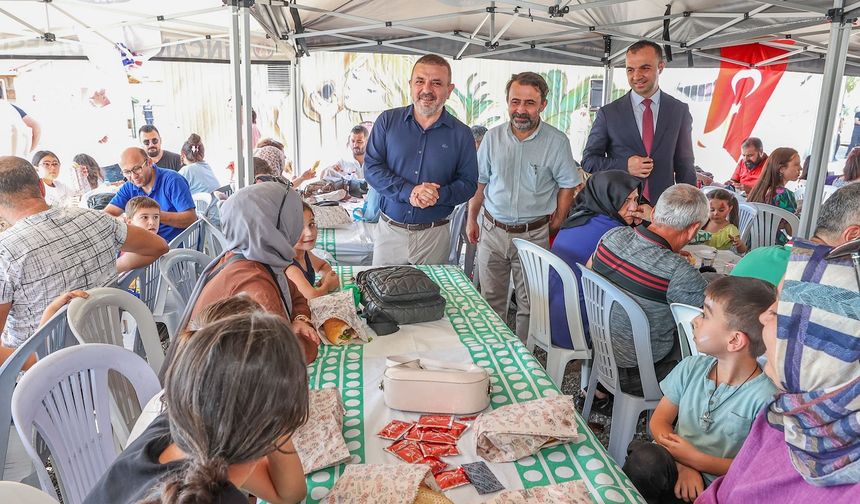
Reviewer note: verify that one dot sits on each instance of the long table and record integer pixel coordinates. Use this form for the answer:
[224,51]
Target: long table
[350,245]
[470,331]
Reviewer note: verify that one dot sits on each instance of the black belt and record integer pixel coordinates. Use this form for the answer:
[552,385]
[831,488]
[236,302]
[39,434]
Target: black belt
[517,228]
[413,227]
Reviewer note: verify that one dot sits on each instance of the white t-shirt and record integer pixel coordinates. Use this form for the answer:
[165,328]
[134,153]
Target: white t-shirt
[60,195]
[350,169]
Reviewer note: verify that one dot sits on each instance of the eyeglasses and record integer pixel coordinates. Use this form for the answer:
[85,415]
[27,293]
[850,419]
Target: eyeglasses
[134,171]
[49,164]
[154,141]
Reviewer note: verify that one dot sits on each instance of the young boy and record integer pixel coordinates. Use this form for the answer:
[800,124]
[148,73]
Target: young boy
[143,212]
[715,397]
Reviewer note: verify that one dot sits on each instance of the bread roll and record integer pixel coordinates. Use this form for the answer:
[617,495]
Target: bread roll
[337,331]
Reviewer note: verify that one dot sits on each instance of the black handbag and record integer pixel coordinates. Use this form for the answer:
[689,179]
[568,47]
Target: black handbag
[395,295]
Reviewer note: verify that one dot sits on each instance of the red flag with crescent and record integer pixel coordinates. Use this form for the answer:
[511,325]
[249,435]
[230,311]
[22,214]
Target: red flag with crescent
[740,92]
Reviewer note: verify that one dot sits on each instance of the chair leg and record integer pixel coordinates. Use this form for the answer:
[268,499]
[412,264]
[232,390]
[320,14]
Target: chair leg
[625,416]
[585,374]
[589,396]
[555,367]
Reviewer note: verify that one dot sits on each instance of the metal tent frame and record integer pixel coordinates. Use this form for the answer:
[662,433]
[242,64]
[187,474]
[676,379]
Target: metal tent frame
[584,32]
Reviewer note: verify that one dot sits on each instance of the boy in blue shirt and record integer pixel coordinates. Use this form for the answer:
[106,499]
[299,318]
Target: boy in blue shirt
[714,397]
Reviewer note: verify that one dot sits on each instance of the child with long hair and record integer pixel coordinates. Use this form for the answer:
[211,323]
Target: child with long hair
[723,222]
[204,448]
[782,166]
[306,265]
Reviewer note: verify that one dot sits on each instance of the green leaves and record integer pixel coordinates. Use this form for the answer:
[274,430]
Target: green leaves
[472,106]
[561,102]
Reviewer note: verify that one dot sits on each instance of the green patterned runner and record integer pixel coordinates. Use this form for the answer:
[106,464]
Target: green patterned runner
[517,376]
[326,241]
[340,367]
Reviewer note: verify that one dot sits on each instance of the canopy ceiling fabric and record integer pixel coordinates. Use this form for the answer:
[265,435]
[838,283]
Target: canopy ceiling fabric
[525,30]
[172,30]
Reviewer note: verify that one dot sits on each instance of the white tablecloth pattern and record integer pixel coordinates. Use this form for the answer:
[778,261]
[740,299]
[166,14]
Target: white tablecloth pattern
[470,331]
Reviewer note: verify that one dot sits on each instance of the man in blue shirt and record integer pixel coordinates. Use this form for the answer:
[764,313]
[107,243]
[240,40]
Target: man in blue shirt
[422,162]
[167,187]
[526,183]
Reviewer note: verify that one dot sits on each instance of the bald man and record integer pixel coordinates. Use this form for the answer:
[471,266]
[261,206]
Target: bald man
[167,187]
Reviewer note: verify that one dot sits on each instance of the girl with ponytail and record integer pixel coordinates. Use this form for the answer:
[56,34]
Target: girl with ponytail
[235,392]
[198,173]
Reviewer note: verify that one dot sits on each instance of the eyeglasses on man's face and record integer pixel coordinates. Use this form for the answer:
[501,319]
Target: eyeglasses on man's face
[152,141]
[134,171]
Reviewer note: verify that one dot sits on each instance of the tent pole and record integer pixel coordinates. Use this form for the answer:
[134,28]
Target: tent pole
[834,69]
[297,116]
[245,32]
[235,55]
[608,71]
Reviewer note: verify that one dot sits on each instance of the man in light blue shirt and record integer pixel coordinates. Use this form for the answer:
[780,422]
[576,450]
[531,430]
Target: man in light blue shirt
[526,181]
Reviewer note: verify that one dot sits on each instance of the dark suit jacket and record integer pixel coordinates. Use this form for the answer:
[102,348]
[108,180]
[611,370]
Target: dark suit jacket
[614,138]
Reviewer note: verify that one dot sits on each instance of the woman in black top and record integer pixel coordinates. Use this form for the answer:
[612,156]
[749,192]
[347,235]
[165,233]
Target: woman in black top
[235,393]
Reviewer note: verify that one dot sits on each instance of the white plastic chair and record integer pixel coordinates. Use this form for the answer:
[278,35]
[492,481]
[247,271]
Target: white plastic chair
[214,241]
[202,201]
[104,318]
[65,399]
[746,216]
[684,315]
[180,269]
[536,263]
[600,296]
[20,493]
[190,237]
[458,226]
[49,338]
[764,230]
[828,192]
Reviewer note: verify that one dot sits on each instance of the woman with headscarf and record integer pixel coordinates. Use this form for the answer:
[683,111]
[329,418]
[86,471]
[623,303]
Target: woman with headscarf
[262,224]
[805,446]
[272,152]
[609,199]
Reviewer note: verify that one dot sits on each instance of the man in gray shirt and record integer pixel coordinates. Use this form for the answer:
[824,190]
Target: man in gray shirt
[644,262]
[526,181]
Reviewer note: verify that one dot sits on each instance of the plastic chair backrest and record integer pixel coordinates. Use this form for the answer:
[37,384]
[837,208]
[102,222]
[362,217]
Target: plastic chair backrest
[19,493]
[65,398]
[49,338]
[536,263]
[709,188]
[746,216]
[765,228]
[684,315]
[828,192]
[98,319]
[205,276]
[458,229]
[190,237]
[148,286]
[600,296]
[180,269]
[214,241]
[202,201]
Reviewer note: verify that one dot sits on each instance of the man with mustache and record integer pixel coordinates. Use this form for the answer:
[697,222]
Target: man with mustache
[646,132]
[150,140]
[749,166]
[422,162]
[526,181]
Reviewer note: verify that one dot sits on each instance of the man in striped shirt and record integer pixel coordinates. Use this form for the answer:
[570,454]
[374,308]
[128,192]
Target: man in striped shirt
[645,263]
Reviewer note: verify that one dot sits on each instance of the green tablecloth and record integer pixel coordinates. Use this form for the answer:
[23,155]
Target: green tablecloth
[516,377]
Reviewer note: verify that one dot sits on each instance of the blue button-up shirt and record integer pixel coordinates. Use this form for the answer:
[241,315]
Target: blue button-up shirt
[523,177]
[401,154]
[171,192]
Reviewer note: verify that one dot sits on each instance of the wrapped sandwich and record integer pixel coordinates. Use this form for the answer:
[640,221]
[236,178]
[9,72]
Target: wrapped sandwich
[335,319]
[337,331]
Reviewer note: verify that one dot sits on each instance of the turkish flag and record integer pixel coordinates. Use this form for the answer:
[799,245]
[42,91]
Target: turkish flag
[740,93]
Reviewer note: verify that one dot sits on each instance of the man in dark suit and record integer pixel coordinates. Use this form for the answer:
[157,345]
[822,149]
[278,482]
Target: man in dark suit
[645,132]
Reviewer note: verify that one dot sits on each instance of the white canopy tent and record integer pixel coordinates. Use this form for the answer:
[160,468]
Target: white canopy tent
[581,32]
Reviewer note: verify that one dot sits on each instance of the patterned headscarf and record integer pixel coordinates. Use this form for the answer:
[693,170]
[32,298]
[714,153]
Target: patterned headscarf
[273,156]
[818,360]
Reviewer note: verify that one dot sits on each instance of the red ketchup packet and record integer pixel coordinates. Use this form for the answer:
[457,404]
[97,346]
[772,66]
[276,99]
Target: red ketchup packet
[467,418]
[430,436]
[457,429]
[438,450]
[435,463]
[436,421]
[452,479]
[395,430]
[407,451]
